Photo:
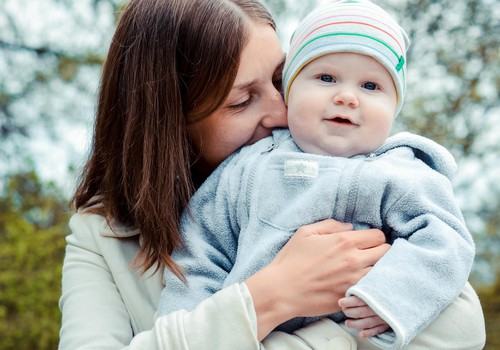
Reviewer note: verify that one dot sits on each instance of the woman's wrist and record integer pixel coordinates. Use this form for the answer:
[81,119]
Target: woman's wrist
[269,301]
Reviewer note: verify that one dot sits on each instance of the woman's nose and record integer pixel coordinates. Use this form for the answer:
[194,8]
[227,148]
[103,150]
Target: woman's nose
[346,97]
[275,115]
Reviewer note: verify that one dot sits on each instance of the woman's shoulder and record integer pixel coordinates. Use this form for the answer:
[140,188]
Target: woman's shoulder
[94,233]
[86,227]
[98,225]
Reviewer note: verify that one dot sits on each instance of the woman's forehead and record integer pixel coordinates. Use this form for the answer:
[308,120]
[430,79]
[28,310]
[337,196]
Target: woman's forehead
[260,58]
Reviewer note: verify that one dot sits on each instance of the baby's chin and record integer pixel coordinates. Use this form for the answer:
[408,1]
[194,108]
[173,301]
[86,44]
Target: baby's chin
[333,149]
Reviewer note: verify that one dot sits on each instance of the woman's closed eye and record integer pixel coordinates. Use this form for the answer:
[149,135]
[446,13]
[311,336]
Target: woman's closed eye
[241,104]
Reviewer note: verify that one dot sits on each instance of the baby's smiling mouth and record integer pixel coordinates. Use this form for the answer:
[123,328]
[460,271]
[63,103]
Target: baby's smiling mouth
[341,120]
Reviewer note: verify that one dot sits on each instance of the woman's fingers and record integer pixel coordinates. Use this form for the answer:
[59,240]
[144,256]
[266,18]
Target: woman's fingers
[373,254]
[362,239]
[366,239]
[315,268]
[325,227]
[360,249]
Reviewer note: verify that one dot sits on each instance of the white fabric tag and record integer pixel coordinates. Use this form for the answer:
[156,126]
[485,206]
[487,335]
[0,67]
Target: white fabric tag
[301,168]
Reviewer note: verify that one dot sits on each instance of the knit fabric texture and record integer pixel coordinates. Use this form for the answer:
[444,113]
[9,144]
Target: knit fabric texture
[349,26]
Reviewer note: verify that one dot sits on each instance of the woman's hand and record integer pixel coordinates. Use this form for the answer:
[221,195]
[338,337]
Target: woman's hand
[313,271]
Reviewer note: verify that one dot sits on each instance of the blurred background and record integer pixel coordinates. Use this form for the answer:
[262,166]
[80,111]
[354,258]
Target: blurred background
[51,52]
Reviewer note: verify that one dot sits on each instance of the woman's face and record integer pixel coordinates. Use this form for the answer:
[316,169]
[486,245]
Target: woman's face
[253,108]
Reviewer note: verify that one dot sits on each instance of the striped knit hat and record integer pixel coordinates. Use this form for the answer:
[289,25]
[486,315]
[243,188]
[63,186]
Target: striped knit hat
[349,26]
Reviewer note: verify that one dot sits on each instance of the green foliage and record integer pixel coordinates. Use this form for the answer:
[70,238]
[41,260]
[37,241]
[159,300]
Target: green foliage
[490,300]
[33,223]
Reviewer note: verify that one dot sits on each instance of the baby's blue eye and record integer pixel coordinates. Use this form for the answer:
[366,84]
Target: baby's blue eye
[370,86]
[327,78]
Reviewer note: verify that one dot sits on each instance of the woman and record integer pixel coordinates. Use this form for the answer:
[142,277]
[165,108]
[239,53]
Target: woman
[186,83]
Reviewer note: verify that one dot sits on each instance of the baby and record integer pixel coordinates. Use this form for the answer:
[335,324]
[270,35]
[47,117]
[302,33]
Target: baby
[344,83]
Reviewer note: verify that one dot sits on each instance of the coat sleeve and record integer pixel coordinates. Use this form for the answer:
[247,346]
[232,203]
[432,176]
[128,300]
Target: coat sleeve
[429,261]
[97,312]
[219,322]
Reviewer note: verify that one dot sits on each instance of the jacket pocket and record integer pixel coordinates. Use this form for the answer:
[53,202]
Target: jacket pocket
[297,192]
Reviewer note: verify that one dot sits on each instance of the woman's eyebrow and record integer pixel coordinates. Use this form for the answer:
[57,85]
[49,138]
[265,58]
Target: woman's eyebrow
[245,85]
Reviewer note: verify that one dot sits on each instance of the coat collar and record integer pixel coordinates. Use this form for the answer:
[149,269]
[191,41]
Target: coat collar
[112,227]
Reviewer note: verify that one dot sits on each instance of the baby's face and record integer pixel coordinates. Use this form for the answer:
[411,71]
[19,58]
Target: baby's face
[341,104]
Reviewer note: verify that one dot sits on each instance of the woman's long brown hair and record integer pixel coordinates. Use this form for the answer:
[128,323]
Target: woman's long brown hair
[170,62]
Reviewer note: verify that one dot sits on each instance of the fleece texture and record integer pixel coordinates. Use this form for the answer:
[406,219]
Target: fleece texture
[253,203]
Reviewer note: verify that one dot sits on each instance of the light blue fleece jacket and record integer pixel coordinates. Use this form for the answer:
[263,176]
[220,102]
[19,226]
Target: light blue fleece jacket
[251,205]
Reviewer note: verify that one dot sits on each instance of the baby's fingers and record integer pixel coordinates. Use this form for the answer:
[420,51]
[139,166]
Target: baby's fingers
[354,307]
[351,301]
[369,326]
[367,333]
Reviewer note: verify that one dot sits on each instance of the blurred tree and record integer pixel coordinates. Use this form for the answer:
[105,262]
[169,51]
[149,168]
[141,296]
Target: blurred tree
[51,52]
[453,97]
[287,15]
[33,224]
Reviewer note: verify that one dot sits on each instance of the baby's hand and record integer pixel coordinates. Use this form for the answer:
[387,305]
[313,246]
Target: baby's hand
[362,317]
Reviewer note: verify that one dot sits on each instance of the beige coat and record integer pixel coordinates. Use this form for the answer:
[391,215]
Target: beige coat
[106,305]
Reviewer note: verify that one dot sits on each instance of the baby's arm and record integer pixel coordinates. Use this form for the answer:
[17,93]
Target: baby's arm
[362,317]
[208,248]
